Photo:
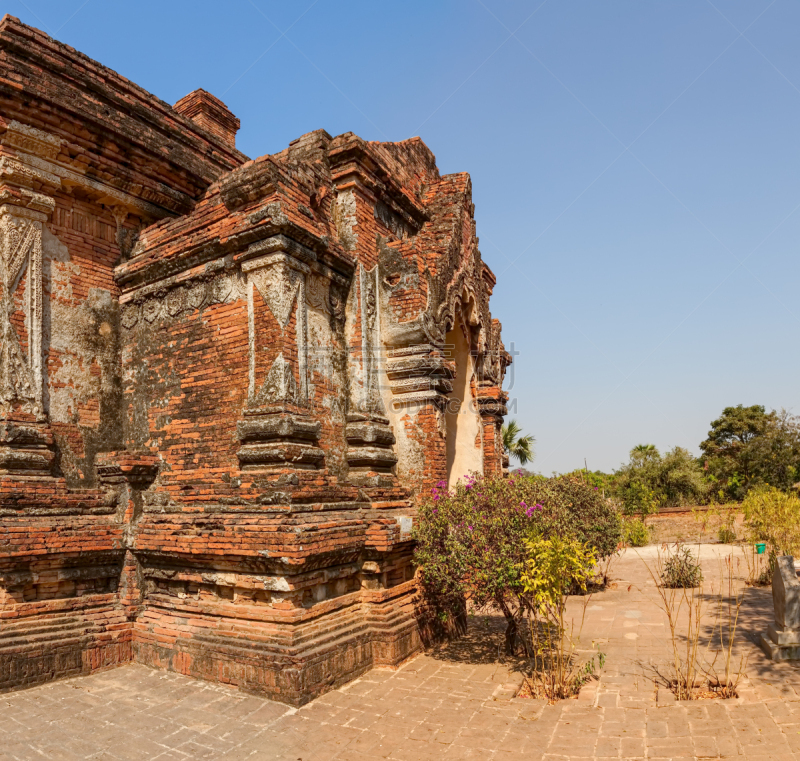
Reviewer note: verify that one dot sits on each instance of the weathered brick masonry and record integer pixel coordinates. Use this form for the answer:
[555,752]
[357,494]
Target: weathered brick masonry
[223,383]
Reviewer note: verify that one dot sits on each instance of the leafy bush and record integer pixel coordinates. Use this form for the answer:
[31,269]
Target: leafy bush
[603,481]
[636,533]
[772,516]
[552,566]
[726,535]
[574,509]
[681,570]
[470,540]
[651,480]
[637,499]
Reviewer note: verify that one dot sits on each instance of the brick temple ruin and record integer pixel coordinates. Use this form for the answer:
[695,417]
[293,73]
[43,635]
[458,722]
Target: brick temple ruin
[224,383]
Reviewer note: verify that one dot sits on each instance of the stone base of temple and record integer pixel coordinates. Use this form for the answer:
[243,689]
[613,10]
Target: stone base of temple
[782,641]
[287,601]
[291,663]
[46,648]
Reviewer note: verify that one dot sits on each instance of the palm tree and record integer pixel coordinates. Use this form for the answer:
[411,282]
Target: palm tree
[645,452]
[515,445]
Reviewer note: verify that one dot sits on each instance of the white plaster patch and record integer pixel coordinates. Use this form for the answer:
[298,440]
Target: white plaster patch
[68,377]
[347,220]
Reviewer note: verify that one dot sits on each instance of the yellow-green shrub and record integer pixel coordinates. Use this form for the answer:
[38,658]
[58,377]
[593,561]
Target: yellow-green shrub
[773,516]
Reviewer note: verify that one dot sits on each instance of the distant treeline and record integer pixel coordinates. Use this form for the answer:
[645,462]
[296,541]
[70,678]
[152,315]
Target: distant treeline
[747,447]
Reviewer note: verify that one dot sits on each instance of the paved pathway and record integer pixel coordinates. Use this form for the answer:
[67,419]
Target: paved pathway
[455,703]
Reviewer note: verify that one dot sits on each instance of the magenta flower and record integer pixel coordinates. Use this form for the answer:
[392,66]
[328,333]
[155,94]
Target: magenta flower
[533,508]
[442,484]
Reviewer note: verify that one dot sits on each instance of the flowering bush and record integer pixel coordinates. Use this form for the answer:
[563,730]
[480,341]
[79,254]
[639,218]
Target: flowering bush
[470,540]
[576,509]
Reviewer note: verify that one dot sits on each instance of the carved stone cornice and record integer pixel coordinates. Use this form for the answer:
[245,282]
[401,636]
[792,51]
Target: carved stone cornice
[30,140]
[370,450]
[26,449]
[137,468]
[417,374]
[278,440]
[489,406]
[26,174]
[353,164]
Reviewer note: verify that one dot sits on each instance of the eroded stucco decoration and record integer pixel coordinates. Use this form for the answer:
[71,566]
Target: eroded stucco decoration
[370,397]
[276,426]
[21,372]
[279,385]
[281,282]
[370,440]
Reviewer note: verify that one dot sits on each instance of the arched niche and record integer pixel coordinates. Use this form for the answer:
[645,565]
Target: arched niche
[463,428]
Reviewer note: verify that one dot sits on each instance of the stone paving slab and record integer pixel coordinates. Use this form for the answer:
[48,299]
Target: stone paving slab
[454,703]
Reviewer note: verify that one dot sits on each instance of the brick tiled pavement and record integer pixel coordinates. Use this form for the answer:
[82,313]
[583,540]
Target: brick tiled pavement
[455,703]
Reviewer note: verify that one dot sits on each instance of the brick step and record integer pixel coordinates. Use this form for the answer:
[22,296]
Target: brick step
[33,633]
[34,622]
[250,646]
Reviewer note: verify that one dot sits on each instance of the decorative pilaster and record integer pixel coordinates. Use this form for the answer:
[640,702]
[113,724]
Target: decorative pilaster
[492,408]
[276,429]
[126,474]
[26,443]
[420,379]
[21,284]
[491,364]
[370,454]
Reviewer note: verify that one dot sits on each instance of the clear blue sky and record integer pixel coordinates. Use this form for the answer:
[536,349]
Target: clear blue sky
[636,173]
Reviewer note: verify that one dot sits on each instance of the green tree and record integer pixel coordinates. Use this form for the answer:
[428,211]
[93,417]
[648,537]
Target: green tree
[748,446]
[729,449]
[651,479]
[776,454]
[517,446]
